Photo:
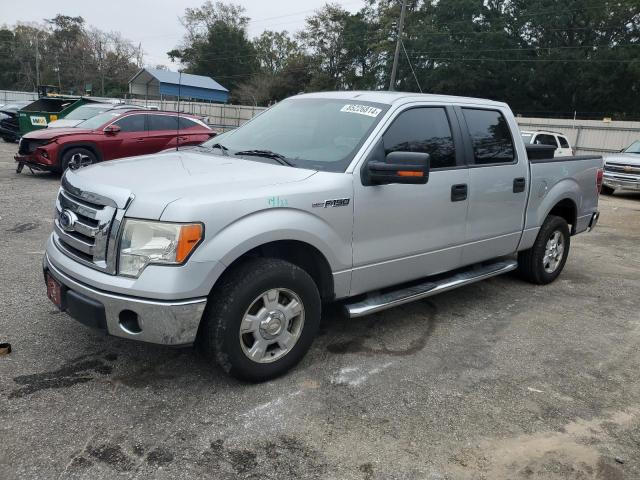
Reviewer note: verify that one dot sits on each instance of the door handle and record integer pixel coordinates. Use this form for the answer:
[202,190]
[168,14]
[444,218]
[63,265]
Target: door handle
[140,139]
[459,192]
[519,184]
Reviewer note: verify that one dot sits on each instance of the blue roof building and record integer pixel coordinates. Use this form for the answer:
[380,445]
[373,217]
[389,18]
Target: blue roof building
[153,83]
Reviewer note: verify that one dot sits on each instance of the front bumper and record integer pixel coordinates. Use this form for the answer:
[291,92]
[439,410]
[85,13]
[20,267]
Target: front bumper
[173,322]
[618,180]
[36,162]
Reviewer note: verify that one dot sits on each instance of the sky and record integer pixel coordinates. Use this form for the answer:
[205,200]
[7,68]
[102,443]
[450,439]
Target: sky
[155,23]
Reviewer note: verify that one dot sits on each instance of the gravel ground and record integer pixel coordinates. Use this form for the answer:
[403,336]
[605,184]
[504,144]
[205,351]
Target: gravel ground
[498,380]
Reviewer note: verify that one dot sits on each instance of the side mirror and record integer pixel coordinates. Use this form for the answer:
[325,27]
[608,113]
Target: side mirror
[400,167]
[111,129]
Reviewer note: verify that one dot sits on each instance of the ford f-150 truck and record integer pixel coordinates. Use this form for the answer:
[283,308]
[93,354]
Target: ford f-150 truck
[372,199]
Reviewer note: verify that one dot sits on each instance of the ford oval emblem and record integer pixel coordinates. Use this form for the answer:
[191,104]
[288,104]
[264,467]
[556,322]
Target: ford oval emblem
[67,220]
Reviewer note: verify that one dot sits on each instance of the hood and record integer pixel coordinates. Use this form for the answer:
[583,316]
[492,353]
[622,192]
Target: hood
[50,133]
[157,180]
[63,122]
[623,158]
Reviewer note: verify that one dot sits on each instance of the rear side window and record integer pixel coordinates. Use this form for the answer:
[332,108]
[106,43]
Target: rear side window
[163,122]
[563,142]
[490,136]
[131,123]
[424,130]
[186,123]
[544,139]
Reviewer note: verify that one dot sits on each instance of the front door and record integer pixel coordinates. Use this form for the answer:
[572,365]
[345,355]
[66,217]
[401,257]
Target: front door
[130,141]
[405,232]
[498,181]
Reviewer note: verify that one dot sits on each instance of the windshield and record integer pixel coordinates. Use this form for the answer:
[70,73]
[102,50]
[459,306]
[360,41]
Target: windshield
[87,111]
[634,148]
[100,119]
[316,133]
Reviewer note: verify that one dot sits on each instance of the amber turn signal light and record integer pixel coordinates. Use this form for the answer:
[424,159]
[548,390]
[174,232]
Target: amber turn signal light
[409,173]
[190,236]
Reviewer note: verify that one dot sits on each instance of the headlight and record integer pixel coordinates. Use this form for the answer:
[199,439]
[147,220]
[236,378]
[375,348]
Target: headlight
[160,243]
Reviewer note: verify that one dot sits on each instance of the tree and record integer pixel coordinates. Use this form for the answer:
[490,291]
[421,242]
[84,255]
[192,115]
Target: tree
[274,50]
[216,44]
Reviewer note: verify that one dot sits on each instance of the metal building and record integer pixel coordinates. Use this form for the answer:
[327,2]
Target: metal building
[150,83]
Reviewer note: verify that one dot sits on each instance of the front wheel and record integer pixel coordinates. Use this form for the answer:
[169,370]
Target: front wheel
[261,319]
[544,261]
[76,158]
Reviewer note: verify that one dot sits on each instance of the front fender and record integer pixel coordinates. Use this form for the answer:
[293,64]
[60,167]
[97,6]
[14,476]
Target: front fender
[270,225]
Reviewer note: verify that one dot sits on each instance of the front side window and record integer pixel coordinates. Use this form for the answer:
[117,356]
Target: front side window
[316,133]
[544,139]
[132,123]
[424,130]
[490,136]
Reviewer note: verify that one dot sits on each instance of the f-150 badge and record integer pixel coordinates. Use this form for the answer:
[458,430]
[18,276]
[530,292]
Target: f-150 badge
[338,202]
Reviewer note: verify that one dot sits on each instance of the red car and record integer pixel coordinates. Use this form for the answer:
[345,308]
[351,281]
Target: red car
[107,136]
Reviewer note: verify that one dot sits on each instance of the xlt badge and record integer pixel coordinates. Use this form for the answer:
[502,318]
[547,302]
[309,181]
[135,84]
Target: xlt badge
[338,202]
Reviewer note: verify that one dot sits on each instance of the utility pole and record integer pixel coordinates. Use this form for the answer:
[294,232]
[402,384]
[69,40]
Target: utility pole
[37,64]
[394,69]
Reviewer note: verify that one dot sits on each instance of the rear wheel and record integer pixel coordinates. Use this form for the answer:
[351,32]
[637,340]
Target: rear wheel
[607,190]
[261,319]
[544,261]
[76,158]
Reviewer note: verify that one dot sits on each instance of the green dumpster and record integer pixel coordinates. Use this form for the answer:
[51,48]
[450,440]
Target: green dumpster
[47,109]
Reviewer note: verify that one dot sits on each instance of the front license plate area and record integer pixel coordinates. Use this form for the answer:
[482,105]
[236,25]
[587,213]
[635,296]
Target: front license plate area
[54,291]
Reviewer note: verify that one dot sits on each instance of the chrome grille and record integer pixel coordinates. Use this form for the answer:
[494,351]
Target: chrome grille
[83,229]
[620,168]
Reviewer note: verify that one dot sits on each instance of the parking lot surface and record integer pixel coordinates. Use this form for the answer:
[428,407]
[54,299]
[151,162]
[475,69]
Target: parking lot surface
[501,379]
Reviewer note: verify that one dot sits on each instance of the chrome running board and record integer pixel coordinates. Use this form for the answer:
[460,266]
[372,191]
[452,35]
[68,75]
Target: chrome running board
[381,301]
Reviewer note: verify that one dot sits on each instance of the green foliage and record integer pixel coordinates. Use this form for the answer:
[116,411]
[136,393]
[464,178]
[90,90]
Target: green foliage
[70,55]
[543,57]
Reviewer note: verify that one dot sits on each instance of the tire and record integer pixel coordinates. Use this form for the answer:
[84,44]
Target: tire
[9,139]
[72,156]
[533,266]
[607,190]
[239,300]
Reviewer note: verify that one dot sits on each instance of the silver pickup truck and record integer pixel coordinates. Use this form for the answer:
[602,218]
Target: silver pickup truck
[373,199]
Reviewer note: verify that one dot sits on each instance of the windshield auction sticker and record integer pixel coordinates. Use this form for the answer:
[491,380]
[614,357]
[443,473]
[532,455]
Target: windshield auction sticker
[362,110]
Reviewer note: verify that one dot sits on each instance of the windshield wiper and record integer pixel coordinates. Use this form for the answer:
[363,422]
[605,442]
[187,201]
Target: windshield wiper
[267,154]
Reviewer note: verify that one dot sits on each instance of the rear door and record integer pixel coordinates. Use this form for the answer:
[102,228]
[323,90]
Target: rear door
[129,141]
[497,184]
[163,131]
[192,132]
[404,232]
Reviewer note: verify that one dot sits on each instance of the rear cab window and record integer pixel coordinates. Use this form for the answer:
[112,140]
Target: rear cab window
[490,136]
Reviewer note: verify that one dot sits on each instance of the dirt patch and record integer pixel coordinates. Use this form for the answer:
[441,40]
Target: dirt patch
[568,454]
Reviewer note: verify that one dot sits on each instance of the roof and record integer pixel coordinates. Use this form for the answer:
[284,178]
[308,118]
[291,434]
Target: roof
[390,98]
[187,79]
